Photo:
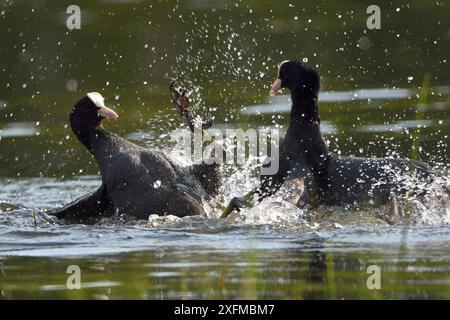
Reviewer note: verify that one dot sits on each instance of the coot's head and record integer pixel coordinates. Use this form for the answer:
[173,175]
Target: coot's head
[90,111]
[298,78]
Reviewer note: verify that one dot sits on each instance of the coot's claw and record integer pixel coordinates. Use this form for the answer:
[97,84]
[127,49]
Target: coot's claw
[239,202]
[180,99]
[173,83]
[235,204]
[208,123]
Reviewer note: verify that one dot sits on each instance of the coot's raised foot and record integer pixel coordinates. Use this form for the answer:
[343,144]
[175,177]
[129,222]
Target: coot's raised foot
[180,100]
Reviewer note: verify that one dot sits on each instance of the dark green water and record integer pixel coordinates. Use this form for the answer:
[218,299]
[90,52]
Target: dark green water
[228,51]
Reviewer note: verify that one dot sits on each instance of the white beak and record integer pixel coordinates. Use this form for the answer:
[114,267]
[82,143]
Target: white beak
[276,87]
[107,113]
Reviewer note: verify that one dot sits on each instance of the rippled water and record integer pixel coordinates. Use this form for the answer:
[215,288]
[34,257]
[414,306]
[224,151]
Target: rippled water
[226,52]
[265,254]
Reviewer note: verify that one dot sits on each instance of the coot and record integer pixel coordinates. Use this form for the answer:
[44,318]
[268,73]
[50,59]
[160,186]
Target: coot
[330,179]
[135,181]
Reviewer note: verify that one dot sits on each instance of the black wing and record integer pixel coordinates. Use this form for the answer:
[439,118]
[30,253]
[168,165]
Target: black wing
[86,208]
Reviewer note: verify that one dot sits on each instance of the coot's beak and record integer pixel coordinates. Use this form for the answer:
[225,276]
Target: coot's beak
[276,87]
[107,113]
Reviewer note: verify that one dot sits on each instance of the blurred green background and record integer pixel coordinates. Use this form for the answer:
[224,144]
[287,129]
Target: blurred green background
[226,50]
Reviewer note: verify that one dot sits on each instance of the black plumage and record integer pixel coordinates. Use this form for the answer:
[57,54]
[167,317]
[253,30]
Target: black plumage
[136,181]
[330,179]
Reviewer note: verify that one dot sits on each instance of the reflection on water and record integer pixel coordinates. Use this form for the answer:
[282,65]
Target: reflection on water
[399,126]
[19,129]
[282,103]
[227,53]
[303,267]
[86,285]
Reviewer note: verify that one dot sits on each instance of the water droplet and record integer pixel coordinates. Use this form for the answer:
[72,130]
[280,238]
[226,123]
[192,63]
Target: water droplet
[157,184]
[72,85]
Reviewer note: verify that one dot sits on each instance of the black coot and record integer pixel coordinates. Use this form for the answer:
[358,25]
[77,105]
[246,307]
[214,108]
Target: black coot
[135,181]
[329,179]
